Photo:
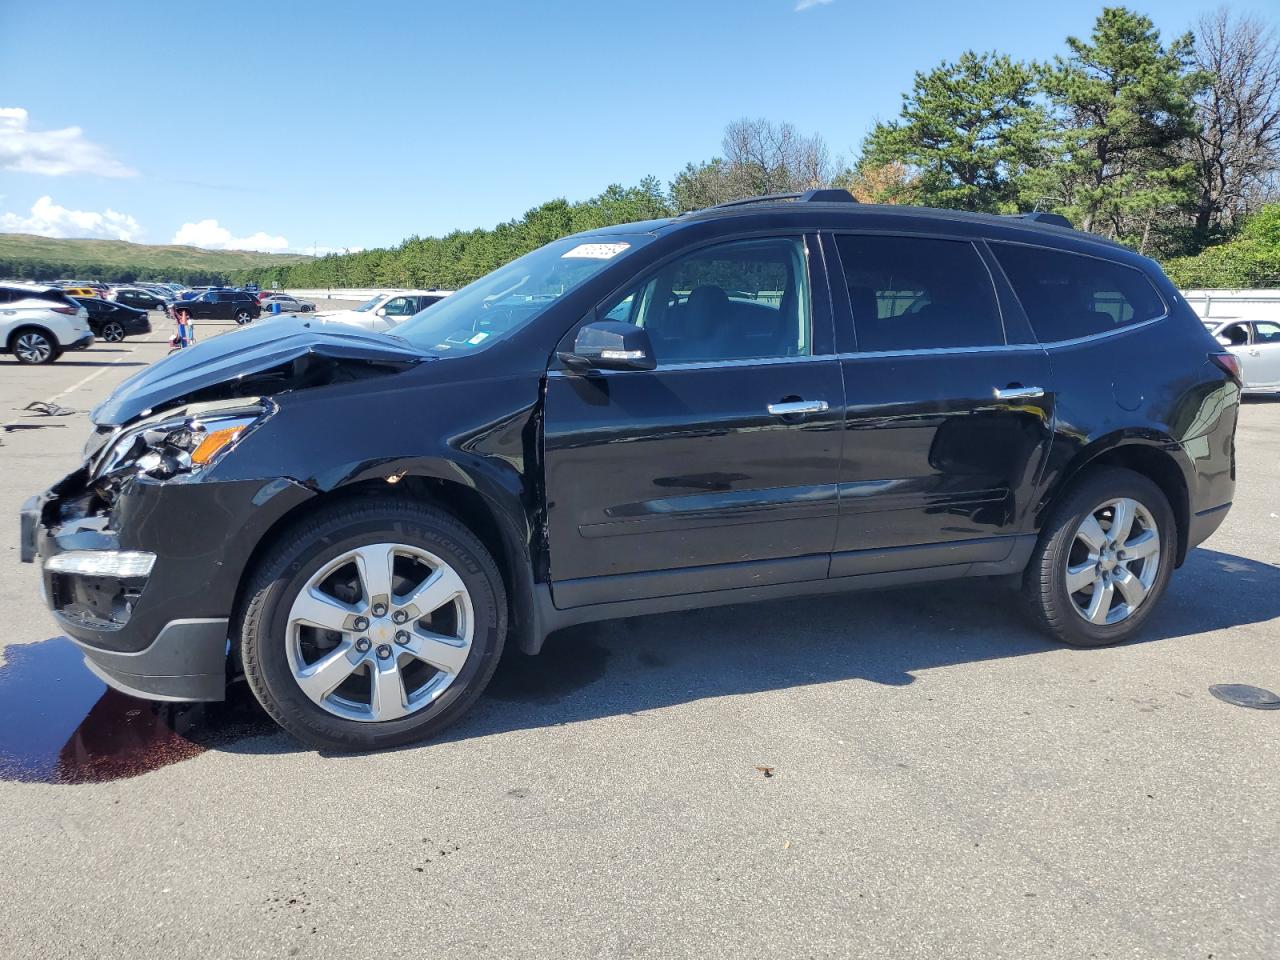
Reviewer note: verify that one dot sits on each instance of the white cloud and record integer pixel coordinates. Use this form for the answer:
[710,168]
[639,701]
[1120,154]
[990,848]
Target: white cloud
[48,219]
[53,153]
[802,5]
[208,234]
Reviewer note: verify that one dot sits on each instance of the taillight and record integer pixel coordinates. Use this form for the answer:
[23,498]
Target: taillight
[1230,363]
[69,311]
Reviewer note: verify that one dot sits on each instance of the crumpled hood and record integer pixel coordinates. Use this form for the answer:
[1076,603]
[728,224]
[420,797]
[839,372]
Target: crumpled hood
[301,353]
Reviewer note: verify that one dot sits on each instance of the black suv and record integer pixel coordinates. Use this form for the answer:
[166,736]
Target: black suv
[761,400]
[237,305]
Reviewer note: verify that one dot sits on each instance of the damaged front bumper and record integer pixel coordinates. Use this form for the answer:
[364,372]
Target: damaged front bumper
[146,585]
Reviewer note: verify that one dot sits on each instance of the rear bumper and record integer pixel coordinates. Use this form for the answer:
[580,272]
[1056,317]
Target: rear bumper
[83,343]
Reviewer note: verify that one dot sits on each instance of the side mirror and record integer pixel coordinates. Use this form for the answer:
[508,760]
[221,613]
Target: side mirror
[381,311]
[610,345]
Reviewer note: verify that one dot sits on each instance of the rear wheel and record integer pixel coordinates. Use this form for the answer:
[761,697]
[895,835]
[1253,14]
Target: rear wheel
[33,345]
[1103,559]
[112,331]
[243,317]
[373,625]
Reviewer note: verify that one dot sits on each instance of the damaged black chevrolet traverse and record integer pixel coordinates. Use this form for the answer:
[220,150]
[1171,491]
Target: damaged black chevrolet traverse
[766,399]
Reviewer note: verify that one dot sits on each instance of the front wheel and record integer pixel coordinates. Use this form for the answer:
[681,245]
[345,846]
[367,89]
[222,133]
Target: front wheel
[1103,559]
[373,625]
[243,317]
[112,332]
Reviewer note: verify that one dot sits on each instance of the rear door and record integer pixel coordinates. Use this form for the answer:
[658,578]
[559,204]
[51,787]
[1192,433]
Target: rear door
[717,469]
[949,406]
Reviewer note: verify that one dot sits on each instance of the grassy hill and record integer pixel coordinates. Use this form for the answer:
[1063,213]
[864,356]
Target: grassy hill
[48,258]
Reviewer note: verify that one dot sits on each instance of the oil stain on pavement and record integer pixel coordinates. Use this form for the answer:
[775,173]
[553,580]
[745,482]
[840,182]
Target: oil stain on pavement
[61,724]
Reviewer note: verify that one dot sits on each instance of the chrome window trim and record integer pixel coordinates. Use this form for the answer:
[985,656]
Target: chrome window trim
[1106,334]
[877,354]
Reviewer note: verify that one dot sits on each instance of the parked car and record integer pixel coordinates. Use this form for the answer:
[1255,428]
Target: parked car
[1256,344]
[288,304]
[113,321]
[600,428]
[80,291]
[141,299]
[234,305]
[38,323]
[386,310]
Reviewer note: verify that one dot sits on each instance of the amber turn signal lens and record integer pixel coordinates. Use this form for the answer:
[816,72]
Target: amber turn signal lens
[213,442]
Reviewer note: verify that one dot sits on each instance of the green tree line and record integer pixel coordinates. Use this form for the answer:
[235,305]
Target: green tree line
[1168,145]
[39,269]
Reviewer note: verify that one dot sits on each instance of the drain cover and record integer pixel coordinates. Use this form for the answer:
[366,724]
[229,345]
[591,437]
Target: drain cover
[1243,695]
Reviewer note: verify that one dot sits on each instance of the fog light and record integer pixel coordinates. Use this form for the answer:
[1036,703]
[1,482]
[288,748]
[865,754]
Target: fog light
[102,563]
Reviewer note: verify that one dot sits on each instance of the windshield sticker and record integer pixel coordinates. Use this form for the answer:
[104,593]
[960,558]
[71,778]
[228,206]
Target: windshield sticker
[595,251]
[479,338]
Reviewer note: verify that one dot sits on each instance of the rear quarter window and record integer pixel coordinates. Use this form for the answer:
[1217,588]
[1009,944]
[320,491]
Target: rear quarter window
[1068,295]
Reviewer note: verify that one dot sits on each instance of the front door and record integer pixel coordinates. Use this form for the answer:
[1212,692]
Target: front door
[717,469]
[949,407]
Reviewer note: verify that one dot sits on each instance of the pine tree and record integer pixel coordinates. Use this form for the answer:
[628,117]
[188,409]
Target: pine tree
[968,131]
[1123,105]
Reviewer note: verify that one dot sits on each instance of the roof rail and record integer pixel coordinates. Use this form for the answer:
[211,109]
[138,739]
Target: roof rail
[1043,216]
[807,196]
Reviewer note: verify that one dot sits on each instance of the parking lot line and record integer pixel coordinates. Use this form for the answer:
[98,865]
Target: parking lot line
[97,373]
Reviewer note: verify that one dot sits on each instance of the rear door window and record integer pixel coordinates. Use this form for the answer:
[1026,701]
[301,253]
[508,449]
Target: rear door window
[919,293]
[1069,295]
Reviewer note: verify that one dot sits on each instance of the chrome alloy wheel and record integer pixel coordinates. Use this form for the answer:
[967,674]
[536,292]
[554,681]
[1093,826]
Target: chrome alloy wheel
[1114,560]
[33,348]
[380,632]
[113,332]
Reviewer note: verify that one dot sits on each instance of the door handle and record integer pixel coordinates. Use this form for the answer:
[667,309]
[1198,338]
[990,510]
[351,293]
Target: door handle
[1016,392]
[1254,353]
[790,408]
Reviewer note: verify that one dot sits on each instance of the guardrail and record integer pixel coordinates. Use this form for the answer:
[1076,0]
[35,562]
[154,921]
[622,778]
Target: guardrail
[1235,304]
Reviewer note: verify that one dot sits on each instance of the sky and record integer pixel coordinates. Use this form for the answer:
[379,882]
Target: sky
[331,124]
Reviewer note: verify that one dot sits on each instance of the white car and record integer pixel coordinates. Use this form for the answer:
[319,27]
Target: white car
[38,323]
[386,310]
[1257,345]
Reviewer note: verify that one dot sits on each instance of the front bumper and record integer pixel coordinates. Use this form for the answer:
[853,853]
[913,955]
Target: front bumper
[164,635]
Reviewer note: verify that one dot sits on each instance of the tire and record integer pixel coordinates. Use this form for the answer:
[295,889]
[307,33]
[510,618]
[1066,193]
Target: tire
[274,645]
[113,332]
[243,317]
[34,345]
[1064,550]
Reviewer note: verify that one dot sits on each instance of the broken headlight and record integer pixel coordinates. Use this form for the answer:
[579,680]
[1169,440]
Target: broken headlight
[176,445]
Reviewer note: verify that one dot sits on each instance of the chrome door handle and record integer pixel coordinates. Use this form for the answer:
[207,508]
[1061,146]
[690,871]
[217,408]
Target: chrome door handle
[790,408]
[1018,393]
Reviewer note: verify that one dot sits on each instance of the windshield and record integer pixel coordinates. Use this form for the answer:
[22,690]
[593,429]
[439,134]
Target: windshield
[502,302]
[370,304]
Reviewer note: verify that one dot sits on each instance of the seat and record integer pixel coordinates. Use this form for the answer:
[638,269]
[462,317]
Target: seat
[702,318]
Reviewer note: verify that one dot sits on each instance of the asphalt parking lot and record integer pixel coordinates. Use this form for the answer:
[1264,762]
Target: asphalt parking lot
[914,773]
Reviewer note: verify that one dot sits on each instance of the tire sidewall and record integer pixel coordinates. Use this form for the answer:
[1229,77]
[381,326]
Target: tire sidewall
[265,638]
[1087,498]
